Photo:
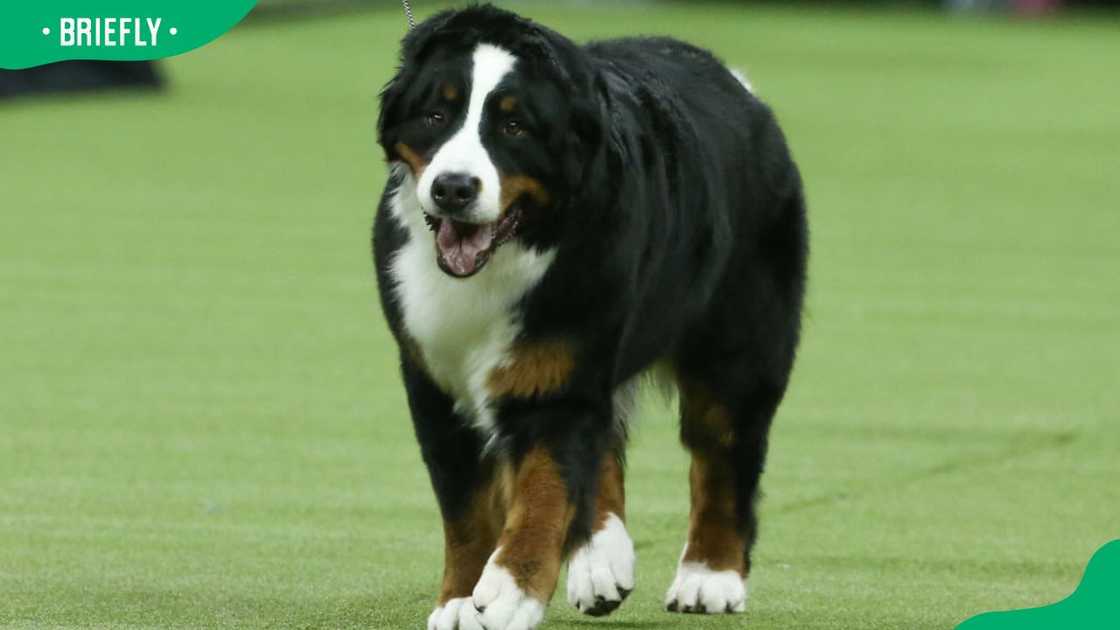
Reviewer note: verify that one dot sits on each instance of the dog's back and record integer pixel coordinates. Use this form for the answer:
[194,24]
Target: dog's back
[720,197]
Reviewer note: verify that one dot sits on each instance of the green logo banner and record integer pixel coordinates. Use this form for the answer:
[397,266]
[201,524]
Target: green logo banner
[35,32]
[1095,605]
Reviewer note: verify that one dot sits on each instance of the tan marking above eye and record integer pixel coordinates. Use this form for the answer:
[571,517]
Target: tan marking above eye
[514,186]
[508,104]
[449,92]
[415,162]
[534,369]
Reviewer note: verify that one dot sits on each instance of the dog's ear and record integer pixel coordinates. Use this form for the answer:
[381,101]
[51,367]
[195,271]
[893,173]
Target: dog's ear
[389,116]
[414,49]
[590,115]
[564,62]
[589,137]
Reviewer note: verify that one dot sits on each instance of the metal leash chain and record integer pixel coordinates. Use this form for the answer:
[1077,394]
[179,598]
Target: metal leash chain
[408,14]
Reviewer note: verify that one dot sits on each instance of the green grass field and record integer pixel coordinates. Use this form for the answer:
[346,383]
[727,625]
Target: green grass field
[201,422]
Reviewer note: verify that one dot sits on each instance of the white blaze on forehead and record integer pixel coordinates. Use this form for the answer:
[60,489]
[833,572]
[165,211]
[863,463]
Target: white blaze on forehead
[464,152]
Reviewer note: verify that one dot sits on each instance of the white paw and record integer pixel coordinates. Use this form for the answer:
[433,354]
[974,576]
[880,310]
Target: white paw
[456,614]
[601,573]
[501,604]
[698,589]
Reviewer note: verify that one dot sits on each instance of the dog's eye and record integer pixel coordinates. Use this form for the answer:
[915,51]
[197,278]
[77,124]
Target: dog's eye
[434,119]
[513,128]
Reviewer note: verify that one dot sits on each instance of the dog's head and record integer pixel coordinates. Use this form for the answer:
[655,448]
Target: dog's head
[496,122]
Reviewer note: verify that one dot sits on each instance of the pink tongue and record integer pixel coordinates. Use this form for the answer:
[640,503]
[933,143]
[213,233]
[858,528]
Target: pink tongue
[460,245]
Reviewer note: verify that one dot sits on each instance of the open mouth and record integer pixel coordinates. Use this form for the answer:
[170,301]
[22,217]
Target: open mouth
[463,249]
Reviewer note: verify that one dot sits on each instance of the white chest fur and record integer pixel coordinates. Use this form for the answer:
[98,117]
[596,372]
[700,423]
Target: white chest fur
[463,327]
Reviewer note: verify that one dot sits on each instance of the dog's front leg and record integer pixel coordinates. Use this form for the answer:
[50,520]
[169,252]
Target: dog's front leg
[551,494]
[469,488]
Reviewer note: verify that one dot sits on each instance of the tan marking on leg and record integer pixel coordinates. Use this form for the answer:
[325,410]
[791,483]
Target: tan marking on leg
[612,492]
[705,422]
[412,158]
[514,186]
[534,369]
[713,537]
[470,540]
[707,430]
[532,543]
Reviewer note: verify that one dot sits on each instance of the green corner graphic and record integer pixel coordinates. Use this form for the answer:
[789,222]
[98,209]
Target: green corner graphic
[1095,605]
[36,32]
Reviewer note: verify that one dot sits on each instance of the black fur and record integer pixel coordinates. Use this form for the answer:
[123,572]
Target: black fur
[679,224]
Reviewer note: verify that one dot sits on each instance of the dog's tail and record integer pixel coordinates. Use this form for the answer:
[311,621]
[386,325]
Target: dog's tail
[738,74]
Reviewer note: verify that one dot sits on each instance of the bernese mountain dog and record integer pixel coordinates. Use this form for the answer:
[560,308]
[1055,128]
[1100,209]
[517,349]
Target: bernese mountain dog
[561,219]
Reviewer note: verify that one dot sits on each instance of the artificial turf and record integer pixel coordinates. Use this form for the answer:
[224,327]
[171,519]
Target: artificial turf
[201,422]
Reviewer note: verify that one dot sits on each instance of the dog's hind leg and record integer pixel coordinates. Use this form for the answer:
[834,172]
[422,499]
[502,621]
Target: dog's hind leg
[732,370]
[728,448]
[727,403]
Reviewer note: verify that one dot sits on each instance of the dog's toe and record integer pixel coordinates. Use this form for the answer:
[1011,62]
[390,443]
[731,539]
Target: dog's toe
[602,607]
[601,573]
[499,604]
[699,590]
[456,614]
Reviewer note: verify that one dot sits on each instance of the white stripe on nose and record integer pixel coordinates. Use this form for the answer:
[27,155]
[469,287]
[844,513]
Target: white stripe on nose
[464,153]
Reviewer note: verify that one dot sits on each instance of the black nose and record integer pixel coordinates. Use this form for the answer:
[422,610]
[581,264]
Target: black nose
[453,192]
